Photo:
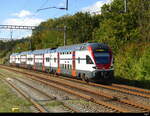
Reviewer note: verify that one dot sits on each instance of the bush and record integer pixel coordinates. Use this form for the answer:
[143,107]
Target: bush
[132,62]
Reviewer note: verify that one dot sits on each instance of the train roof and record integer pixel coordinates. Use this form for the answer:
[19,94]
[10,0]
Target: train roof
[14,54]
[69,48]
[25,53]
[82,46]
[43,51]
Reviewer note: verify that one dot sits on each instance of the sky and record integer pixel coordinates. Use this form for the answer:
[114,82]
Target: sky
[25,12]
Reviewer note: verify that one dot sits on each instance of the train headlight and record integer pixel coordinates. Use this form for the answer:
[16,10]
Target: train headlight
[111,66]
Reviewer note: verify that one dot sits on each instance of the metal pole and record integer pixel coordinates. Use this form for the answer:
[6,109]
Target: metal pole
[67,5]
[125,6]
[11,32]
[65,28]
[30,43]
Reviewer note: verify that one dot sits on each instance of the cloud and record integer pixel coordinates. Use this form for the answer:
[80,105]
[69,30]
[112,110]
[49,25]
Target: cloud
[62,4]
[23,18]
[28,21]
[96,7]
[23,13]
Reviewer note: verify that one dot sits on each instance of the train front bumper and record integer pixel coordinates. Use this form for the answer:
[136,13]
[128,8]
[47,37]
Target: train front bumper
[102,74]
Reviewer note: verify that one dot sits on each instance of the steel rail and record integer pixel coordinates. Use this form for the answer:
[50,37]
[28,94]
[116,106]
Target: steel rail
[87,97]
[102,94]
[49,96]
[38,106]
[113,87]
[111,97]
[108,87]
[131,88]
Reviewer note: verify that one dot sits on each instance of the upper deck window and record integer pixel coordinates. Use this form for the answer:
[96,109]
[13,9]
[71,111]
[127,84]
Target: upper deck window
[54,59]
[47,59]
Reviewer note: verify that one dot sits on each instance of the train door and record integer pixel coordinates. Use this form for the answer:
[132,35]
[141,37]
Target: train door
[43,65]
[50,67]
[73,64]
[34,67]
[58,62]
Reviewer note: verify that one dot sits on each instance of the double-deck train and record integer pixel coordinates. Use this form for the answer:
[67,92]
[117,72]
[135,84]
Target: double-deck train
[87,61]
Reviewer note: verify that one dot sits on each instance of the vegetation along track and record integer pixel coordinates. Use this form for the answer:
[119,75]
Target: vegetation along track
[88,93]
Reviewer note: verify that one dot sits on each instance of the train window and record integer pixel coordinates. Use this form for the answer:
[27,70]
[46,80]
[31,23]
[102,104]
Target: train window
[66,66]
[89,60]
[82,48]
[78,60]
[54,59]
[47,59]
[70,66]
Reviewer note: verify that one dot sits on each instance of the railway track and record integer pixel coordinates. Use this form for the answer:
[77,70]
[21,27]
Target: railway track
[95,93]
[49,96]
[39,107]
[45,94]
[117,87]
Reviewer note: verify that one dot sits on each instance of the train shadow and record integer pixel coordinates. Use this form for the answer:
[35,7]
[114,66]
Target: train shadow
[141,83]
[103,82]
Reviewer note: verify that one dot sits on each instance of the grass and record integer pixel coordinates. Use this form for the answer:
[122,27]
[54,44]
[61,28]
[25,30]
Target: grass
[79,101]
[11,73]
[9,100]
[53,104]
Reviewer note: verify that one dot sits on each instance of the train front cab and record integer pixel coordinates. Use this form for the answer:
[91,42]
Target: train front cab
[103,69]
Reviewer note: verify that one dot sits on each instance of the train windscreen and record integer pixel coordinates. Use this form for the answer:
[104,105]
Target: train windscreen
[102,57]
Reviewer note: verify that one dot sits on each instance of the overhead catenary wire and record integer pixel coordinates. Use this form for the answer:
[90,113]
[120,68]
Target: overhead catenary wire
[61,8]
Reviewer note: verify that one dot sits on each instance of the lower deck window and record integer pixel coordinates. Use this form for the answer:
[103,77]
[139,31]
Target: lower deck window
[89,60]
